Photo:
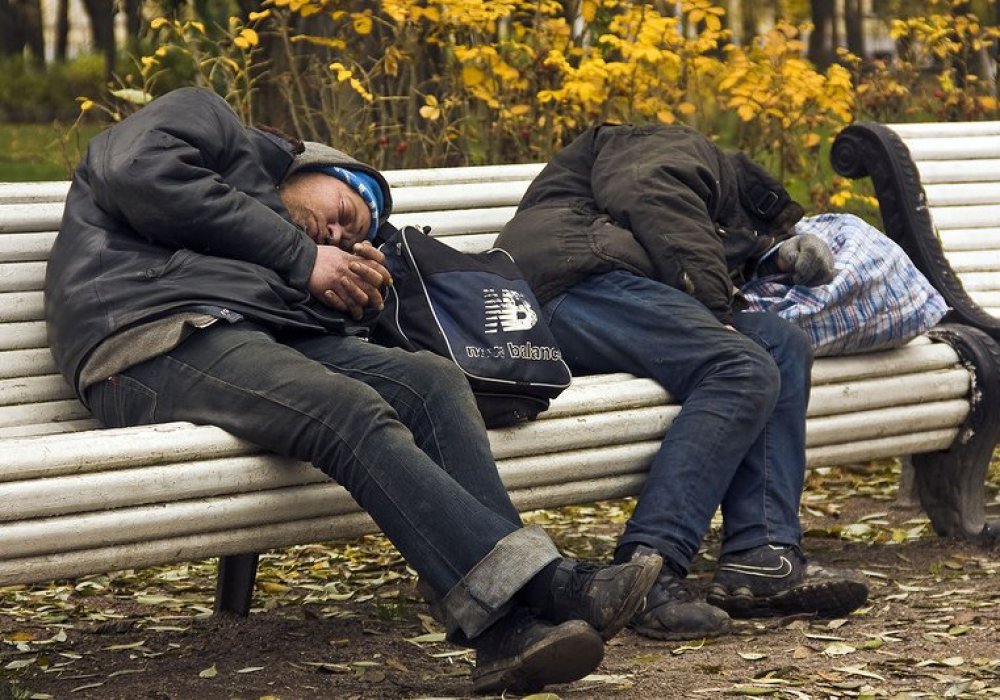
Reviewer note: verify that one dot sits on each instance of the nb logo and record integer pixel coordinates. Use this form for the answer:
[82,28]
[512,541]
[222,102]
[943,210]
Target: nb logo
[507,310]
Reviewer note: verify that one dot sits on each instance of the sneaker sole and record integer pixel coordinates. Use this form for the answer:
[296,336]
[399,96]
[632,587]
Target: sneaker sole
[636,597]
[567,654]
[822,598]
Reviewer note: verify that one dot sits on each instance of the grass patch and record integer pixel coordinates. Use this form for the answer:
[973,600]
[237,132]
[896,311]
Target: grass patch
[36,152]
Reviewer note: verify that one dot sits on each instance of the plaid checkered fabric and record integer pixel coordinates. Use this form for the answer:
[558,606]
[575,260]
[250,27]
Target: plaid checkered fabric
[878,299]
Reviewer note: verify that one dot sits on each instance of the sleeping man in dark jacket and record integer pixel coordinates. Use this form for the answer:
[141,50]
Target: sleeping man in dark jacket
[635,238]
[220,274]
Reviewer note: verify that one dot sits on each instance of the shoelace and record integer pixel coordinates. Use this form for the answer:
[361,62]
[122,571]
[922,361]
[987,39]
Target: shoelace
[675,588]
[580,579]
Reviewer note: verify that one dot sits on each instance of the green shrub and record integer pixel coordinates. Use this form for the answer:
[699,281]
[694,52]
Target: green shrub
[29,94]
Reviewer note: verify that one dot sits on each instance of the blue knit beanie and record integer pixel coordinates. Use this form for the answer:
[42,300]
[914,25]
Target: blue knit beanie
[365,185]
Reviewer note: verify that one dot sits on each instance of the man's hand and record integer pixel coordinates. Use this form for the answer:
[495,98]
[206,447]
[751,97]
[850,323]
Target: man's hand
[349,282]
[808,258]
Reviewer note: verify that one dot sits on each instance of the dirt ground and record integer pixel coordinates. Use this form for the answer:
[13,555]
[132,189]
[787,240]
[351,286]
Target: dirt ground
[342,621]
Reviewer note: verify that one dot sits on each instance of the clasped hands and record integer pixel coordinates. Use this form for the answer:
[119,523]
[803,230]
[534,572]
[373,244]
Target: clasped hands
[349,281]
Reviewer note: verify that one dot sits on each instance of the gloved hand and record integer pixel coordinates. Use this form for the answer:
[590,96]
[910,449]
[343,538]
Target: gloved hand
[808,258]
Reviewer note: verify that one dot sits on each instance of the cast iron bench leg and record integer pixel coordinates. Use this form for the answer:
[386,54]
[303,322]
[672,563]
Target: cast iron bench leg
[234,588]
[950,482]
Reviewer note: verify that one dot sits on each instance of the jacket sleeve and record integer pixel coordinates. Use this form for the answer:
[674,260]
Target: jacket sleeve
[662,184]
[167,172]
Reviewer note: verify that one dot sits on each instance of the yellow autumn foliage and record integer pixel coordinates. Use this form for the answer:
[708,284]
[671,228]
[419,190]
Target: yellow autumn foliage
[411,83]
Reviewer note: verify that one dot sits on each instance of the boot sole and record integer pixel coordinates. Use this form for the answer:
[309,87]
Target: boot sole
[568,653]
[824,599]
[635,599]
[679,635]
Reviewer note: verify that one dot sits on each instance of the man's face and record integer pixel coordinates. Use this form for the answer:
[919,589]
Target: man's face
[331,211]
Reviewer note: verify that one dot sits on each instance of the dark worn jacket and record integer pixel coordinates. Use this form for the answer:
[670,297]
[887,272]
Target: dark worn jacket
[176,208]
[660,201]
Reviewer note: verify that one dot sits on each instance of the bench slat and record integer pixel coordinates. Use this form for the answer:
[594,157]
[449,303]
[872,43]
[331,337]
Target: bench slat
[954,195]
[36,413]
[885,422]
[118,448]
[969,238]
[932,172]
[23,335]
[22,276]
[153,484]
[21,306]
[444,197]
[979,216]
[555,435]
[30,192]
[25,390]
[457,221]
[101,529]
[918,131]
[26,363]
[979,281]
[987,299]
[44,216]
[977,261]
[889,391]
[969,147]
[26,246]
[470,174]
[628,393]
[880,448]
[63,427]
[919,355]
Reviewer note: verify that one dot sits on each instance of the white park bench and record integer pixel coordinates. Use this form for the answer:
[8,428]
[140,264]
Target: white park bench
[77,499]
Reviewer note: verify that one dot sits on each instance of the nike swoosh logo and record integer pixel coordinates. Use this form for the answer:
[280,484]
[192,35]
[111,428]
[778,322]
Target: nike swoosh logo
[783,569]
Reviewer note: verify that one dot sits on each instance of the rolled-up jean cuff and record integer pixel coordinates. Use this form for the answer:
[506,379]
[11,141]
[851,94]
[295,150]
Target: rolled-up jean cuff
[483,595]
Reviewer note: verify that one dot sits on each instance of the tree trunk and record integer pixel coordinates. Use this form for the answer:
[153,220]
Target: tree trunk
[854,23]
[33,33]
[62,30]
[820,50]
[102,29]
[961,62]
[748,21]
[11,37]
[993,54]
[21,28]
[133,23]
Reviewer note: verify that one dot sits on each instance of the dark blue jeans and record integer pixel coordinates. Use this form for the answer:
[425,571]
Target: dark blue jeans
[400,431]
[739,439]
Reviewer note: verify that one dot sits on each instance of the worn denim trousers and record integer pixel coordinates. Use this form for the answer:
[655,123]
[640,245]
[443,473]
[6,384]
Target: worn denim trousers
[739,439]
[400,431]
